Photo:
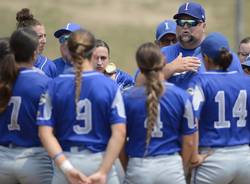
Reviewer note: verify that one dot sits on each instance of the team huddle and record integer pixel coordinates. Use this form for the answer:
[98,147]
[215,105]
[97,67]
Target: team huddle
[183,118]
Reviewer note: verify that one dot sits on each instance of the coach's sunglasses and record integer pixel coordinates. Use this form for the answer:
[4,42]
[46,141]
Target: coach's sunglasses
[63,38]
[190,23]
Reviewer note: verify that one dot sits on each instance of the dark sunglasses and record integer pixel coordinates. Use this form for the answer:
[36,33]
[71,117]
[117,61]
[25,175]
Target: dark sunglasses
[168,41]
[63,38]
[244,67]
[190,23]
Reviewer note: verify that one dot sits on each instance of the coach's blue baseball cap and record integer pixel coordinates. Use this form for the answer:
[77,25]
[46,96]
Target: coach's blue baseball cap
[213,43]
[70,27]
[165,27]
[192,9]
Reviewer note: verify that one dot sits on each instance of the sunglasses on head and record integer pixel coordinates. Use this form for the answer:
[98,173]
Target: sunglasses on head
[190,23]
[63,38]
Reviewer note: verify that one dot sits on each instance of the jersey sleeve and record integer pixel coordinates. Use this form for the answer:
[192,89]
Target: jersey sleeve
[117,109]
[124,80]
[51,69]
[44,115]
[197,96]
[188,121]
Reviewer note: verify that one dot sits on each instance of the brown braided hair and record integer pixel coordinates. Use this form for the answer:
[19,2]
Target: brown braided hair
[26,19]
[8,73]
[150,61]
[81,44]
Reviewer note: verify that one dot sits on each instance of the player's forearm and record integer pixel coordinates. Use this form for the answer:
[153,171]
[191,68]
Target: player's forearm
[114,147]
[51,144]
[168,70]
[123,158]
[187,149]
[196,147]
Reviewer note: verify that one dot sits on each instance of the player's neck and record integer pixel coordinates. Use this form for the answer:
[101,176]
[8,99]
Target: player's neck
[87,66]
[25,64]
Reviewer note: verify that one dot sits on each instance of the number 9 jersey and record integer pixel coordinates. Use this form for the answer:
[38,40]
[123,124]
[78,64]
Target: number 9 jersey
[221,102]
[89,124]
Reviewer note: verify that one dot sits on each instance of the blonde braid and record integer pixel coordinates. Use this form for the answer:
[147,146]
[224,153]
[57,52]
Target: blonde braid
[78,77]
[151,62]
[154,89]
[80,44]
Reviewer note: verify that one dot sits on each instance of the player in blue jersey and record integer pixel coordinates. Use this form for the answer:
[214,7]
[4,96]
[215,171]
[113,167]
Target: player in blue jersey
[87,120]
[221,103]
[160,124]
[23,159]
[62,35]
[183,56]
[165,33]
[101,59]
[26,19]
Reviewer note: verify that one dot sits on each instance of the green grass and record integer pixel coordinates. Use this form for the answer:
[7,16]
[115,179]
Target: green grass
[124,24]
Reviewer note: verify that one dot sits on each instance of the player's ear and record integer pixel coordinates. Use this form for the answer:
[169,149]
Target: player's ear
[207,61]
[204,25]
[34,55]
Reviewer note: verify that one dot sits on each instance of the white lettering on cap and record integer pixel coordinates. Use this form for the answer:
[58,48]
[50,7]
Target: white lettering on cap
[186,8]
[166,26]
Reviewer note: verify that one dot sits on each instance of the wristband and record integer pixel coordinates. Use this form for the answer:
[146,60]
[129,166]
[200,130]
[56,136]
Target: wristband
[66,166]
[57,155]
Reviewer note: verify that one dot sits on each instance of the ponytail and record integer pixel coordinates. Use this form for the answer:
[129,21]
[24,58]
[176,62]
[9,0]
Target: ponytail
[224,59]
[8,73]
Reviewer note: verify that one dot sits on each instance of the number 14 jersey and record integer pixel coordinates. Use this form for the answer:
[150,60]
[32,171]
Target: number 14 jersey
[221,102]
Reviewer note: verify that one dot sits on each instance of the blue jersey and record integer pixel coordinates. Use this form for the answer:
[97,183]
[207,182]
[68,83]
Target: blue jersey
[18,121]
[61,65]
[46,65]
[123,79]
[100,106]
[181,79]
[175,120]
[221,102]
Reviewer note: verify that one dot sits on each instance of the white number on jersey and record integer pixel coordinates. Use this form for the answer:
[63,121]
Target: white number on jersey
[158,126]
[189,115]
[220,99]
[16,101]
[84,113]
[239,110]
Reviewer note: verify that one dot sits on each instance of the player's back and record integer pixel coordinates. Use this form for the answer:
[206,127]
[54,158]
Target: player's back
[170,125]
[223,116]
[18,121]
[91,125]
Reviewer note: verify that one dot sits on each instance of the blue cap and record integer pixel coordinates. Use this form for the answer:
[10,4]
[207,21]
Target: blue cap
[213,43]
[246,62]
[192,9]
[70,27]
[165,27]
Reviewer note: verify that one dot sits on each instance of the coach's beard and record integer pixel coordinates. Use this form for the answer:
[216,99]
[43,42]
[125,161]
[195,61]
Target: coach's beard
[187,40]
